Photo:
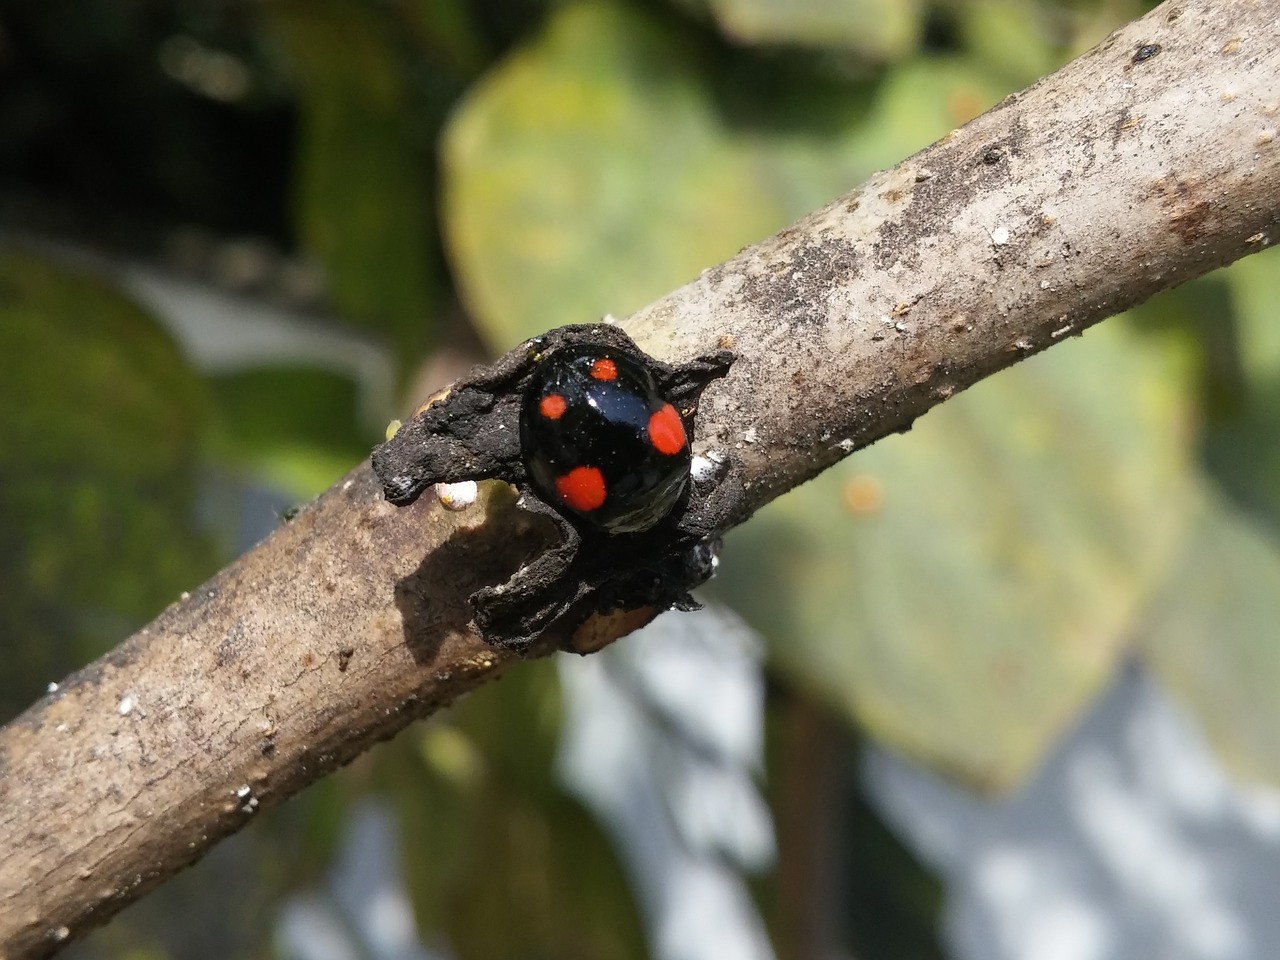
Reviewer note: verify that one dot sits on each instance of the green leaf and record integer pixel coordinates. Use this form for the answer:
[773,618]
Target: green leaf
[595,169]
[1018,40]
[1241,447]
[98,448]
[963,590]
[362,204]
[876,29]
[1212,632]
[1212,636]
[1255,291]
[588,174]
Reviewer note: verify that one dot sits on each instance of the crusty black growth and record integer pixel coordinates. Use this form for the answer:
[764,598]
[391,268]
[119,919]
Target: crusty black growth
[473,433]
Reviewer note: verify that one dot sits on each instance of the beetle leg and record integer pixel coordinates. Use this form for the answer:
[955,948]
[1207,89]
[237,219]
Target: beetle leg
[514,613]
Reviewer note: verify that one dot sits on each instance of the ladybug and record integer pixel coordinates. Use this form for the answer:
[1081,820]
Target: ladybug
[600,441]
[595,436]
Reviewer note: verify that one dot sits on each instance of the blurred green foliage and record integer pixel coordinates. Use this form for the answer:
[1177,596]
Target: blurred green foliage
[97,472]
[360,195]
[504,839]
[960,592]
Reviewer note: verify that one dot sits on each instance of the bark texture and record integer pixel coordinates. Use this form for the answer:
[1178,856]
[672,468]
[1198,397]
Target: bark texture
[1148,161]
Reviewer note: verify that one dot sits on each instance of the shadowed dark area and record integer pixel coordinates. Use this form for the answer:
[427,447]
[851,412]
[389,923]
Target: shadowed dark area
[432,599]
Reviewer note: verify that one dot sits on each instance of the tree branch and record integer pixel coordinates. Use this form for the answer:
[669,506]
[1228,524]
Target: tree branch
[1148,161]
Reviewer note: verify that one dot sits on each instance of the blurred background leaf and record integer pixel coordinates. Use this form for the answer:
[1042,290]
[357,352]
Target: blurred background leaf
[874,29]
[361,189]
[97,476]
[1211,636]
[555,153]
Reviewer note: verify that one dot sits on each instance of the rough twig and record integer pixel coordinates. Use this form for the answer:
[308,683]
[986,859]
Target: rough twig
[1148,161]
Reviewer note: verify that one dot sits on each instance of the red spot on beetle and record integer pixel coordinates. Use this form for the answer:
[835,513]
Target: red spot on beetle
[666,431]
[552,406]
[582,488]
[604,369]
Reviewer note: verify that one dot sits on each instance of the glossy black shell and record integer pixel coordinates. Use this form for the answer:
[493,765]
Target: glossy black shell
[604,425]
